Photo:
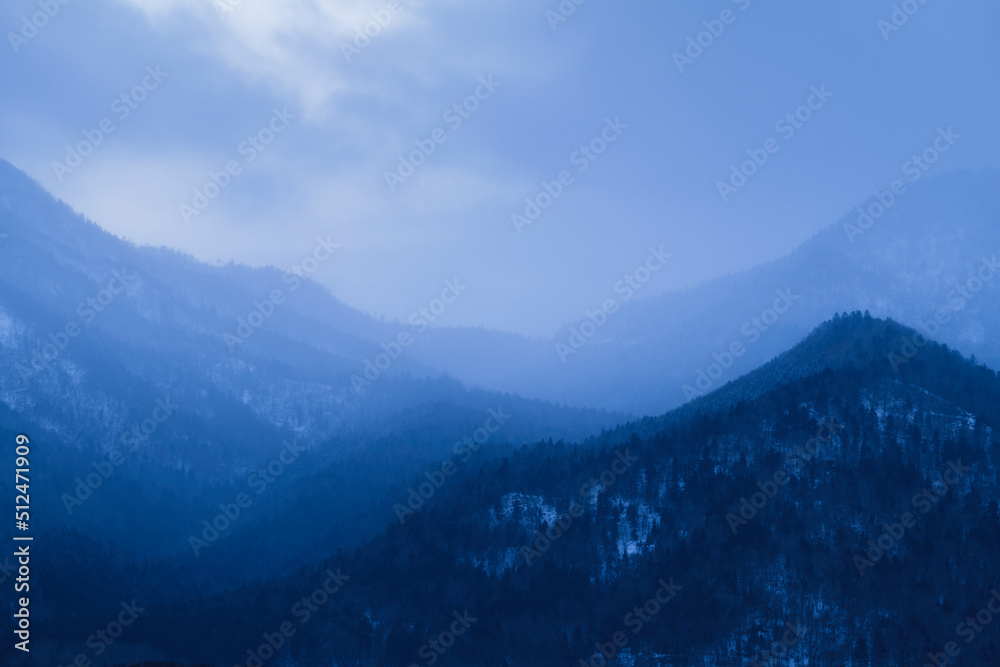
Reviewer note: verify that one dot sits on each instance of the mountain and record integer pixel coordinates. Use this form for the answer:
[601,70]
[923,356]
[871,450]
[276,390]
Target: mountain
[918,258]
[159,384]
[804,511]
[244,436]
[125,325]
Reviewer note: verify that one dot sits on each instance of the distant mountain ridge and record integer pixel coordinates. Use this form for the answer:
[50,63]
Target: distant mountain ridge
[650,356]
[922,256]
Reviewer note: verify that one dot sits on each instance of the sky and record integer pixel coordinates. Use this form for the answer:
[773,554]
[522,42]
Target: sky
[337,119]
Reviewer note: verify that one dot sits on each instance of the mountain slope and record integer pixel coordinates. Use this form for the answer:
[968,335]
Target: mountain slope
[758,512]
[111,352]
[94,330]
[922,256]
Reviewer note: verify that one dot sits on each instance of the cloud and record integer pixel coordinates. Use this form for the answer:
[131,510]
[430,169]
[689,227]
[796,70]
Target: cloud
[359,116]
[310,48]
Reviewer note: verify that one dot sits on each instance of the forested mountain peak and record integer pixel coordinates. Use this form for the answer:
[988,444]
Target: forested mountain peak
[880,352]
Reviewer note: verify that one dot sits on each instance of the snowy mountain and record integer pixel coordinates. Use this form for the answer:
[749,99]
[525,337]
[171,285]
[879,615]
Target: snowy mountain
[816,499]
[932,254]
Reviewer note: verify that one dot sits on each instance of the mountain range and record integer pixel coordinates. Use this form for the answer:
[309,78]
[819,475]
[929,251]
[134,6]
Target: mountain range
[804,511]
[741,456]
[921,255]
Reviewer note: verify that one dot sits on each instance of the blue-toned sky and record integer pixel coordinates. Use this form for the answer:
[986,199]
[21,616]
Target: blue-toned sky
[229,64]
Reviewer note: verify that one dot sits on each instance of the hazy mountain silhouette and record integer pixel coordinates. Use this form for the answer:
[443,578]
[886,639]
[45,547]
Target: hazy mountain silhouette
[657,353]
[110,351]
[652,355]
